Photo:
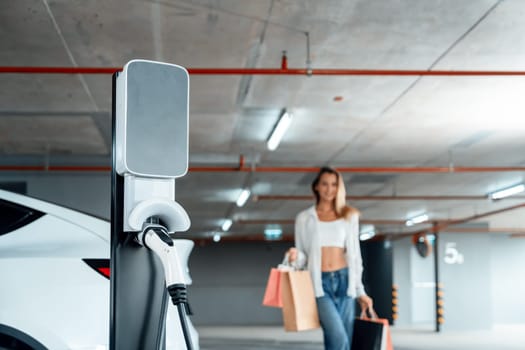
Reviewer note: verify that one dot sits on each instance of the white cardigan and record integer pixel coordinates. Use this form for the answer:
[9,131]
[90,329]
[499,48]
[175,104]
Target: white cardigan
[309,251]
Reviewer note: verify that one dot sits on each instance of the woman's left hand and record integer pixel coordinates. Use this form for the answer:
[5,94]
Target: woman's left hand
[365,302]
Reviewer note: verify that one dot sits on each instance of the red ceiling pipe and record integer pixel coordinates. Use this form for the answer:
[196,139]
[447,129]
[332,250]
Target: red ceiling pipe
[284,61]
[514,233]
[428,169]
[291,221]
[242,238]
[511,230]
[281,169]
[362,169]
[22,168]
[233,238]
[444,224]
[441,224]
[256,238]
[61,70]
[284,70]
[241,161]
[263,222]
[78,168]
[477,216]
[72,168]
[383,198]
[257,169]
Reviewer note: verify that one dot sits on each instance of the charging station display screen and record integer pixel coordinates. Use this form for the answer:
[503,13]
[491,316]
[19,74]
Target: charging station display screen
[156,119]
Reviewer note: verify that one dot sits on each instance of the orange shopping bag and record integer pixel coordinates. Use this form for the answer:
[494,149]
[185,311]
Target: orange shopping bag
[272,294]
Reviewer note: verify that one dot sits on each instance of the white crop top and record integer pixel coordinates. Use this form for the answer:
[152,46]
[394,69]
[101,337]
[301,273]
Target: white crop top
[332,233]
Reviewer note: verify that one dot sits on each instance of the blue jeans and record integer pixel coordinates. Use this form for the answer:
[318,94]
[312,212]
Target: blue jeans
[336,311]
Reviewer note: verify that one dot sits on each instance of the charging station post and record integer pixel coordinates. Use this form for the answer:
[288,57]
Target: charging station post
[150,150]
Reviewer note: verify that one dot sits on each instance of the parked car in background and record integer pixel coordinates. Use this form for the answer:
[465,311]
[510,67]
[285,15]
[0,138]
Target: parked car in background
[54,273]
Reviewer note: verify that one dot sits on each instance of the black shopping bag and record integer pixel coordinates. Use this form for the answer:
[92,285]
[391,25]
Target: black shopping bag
[368,335]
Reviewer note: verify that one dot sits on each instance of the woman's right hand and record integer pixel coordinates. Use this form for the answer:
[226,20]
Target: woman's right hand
[292,254]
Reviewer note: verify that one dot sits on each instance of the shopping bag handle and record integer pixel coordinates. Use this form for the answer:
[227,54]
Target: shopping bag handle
[286,265]
[286,260]
[371,311]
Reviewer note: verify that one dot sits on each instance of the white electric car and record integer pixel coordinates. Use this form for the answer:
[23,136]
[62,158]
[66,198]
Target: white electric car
[54,278]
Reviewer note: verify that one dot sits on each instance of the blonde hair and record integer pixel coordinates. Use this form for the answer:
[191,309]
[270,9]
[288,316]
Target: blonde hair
[342,210]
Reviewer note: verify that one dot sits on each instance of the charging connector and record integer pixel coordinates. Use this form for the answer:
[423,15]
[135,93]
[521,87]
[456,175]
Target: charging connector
[156,238]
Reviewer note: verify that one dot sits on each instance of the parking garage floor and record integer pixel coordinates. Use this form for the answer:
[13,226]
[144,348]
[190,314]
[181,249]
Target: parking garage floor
[508,337]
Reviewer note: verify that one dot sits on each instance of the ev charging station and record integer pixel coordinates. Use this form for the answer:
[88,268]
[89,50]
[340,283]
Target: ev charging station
[150,150]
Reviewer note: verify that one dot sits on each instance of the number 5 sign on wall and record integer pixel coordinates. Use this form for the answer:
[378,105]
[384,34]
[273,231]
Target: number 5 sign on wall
[452,255]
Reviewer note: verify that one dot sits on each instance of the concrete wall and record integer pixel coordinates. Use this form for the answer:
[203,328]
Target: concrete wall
[229,280]
[483,285]
[465,273]
[508,279]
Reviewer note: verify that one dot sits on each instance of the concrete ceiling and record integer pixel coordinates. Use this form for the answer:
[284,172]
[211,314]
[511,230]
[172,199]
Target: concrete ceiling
[418,125]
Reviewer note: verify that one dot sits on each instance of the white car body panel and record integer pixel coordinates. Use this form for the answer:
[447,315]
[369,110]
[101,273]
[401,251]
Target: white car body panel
[50,294]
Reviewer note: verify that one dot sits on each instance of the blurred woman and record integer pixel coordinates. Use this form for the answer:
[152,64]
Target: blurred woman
[327,244]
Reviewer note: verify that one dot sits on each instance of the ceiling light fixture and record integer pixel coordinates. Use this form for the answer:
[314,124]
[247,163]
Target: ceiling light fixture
[417,220]
[278,131]
[506,192]
[227,224]
[243,197]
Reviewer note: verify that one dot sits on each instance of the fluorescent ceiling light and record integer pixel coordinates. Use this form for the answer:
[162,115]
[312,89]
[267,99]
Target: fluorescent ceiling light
[417,220]
[279,130]
[509,191]
[216,237]
[243,197]
[227,224]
